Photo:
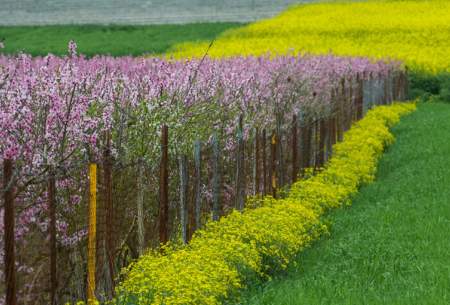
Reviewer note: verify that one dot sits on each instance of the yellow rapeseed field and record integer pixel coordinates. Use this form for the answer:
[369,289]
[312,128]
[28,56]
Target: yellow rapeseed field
[416,32]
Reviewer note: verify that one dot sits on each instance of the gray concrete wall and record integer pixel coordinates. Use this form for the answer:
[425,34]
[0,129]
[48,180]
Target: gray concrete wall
[38,12]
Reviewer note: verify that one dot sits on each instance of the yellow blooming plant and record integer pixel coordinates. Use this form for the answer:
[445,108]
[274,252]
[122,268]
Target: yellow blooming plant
[243,247]
[415,31]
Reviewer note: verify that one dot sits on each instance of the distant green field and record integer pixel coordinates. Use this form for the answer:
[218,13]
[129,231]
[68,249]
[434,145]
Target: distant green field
[113,40]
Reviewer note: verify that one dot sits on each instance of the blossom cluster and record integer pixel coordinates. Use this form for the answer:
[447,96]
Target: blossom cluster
[54,111]
[415,32]
[242,247]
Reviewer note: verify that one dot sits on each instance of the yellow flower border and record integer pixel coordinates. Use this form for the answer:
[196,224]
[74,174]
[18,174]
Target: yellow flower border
[226,255]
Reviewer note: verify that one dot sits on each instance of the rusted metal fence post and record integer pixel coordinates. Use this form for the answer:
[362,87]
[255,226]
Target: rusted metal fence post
[294,149]
[52,234]
[164,187]
[216,179]
[9,224]
[92,233]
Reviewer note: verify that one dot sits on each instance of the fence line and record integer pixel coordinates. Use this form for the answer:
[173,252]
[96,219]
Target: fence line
[284,153]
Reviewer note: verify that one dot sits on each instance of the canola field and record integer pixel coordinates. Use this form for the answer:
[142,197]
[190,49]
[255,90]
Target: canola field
[416,32]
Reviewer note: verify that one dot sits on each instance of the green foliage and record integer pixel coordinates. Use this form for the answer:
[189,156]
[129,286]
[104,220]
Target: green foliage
[391,246]
[113,39]
[429,87]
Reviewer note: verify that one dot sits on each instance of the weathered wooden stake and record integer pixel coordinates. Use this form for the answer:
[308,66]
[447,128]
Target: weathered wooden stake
[328,143]
[52,234]
[280,154]
[240,167]
[322,142]
[306,145]
[217,183]
[140,206]
[164,187]
[360,95]
[315,143]
[183,197]
[264,159]
[198,181]
[109,221]
[256,166]
[340,120]
[294,149]
[273,164]
[92,233]
[9,224]
[333,138]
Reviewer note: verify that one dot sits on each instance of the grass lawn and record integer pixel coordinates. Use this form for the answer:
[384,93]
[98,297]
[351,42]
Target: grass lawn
[113,40]
[392,246]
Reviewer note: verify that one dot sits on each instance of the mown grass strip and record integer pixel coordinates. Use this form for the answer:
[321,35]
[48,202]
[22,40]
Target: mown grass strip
[392,245]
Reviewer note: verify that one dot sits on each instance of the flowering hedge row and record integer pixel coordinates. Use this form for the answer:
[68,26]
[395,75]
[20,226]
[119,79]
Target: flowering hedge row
[228,254]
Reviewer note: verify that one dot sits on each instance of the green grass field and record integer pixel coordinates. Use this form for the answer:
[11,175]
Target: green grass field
[392,246]
[113,40]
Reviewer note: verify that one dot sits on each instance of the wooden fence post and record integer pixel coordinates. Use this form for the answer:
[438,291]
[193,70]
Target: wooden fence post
[322,141]
[315,143]
[306,145]
[256,164]
[198,181]
[9,224]
[329,138]
[52,233]
[352,101]
[183,196]
[108,183]
[407,88]
[240,167]
[360,95]
[164,187]
[294,149]
[217,184]
[340,114]
[264,160]
[273,164]
[280,155]
[92,232]
[140,206]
